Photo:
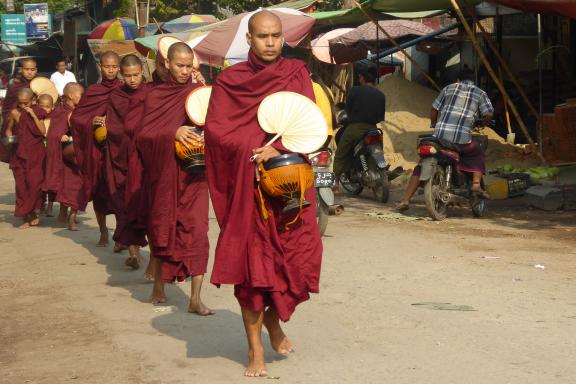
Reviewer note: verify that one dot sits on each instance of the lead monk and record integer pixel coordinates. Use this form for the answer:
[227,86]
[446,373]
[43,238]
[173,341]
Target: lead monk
[178,210]
[273,269]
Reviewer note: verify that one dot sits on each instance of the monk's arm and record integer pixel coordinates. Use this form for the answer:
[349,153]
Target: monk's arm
[10,125]
[39,123]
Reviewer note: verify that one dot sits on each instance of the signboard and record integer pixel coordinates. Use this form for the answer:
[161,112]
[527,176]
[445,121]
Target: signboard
[37,21]
[14,29]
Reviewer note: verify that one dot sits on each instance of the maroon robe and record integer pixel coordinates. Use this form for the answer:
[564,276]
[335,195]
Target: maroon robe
[9,103]
[27,164]
[178,200]
[119,150]
[61,177]
[269,265]
[94,103]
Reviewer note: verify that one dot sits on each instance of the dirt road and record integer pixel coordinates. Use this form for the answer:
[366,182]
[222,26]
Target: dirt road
[72,313]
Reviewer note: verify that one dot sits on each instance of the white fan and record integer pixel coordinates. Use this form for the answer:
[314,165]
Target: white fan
[197,104]
[296,119]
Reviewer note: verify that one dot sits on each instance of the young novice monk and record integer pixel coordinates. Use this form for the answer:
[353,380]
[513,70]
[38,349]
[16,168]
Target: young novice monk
[47,104]
[27,163]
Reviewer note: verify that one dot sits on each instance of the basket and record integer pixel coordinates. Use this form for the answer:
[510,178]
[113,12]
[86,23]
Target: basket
[518,183]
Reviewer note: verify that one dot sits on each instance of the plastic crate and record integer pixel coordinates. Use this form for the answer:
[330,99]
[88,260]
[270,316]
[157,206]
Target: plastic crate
[518,183]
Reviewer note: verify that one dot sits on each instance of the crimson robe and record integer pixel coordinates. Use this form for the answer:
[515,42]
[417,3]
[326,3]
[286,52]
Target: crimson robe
[178,200]
[94,103]
[61,177]
[120,148]
[9,103]
[269,264]
[27,164]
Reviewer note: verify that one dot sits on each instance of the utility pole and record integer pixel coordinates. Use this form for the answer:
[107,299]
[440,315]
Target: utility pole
[142,14]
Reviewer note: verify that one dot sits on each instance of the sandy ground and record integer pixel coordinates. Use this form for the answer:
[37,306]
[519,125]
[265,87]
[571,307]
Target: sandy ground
[72,313]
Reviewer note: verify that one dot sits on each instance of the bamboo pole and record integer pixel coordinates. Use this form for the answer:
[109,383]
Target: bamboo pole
[395,43]
[492,74]
[505,67]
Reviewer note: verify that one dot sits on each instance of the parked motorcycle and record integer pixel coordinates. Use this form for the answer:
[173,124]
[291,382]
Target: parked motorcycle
[444,183]
[324,180]
[368,168]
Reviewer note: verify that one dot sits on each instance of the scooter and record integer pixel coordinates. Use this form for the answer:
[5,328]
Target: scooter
[368,168]
[444,184]
[324,180]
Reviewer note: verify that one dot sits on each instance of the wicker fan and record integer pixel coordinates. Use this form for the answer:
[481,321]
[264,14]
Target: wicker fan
[43,86]
[197,105]
[164,44]
[294,118]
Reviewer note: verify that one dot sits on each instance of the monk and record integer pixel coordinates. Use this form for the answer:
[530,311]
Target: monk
[120,113]
[273,268]
[63,178]
[47,104]
[89,113]
[178,209]
[27,162]
[28,71]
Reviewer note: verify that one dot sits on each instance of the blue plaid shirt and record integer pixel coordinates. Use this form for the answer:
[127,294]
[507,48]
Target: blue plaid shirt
[459,105]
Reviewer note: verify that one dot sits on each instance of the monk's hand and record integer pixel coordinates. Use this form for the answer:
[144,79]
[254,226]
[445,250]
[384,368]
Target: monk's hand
[186,135]
[65,139]
[99,120]
[29,110]
[263,154]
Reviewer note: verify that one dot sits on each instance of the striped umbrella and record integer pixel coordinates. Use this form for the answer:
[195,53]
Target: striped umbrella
[115,29]
[227,41]
[187,22]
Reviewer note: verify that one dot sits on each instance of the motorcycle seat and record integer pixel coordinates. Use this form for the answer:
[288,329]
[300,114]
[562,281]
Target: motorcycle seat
[443,143]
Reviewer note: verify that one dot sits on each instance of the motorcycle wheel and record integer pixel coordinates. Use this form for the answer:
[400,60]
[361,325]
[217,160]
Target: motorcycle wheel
[351,188]
[322,212]
[381,190]
[436,207]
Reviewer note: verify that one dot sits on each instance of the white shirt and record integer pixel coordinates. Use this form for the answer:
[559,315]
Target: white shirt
[60,80]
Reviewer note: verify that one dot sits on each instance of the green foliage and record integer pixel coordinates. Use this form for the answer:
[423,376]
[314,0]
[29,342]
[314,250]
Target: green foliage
[123,9]
[54,6]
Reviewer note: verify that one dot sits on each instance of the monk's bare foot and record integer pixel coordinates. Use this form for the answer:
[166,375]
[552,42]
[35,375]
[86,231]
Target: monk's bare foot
[198,307]
[256,366]
[278,340]
[34,220]
[62,214]
[72,221]
[158,294]
[149,273]
[24,225]
[132,262]
[119,247]
[103,242]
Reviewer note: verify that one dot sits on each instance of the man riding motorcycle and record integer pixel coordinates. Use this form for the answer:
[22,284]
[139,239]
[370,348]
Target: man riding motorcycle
[452,118]
[365,107]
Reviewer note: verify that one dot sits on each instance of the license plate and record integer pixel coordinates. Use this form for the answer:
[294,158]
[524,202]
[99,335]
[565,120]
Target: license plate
[324,179]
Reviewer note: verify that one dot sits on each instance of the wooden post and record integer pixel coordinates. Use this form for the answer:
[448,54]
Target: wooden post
[494,76]
[395,43]
[505,67]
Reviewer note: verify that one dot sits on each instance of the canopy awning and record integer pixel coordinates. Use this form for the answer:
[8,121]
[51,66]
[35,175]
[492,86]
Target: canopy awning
[553,7]
[414,5]
[354,16]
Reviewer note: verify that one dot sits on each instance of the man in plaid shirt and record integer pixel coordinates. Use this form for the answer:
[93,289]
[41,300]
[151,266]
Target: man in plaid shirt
[453,114]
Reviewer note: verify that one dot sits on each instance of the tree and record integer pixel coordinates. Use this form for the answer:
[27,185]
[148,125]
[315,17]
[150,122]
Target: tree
[54,6]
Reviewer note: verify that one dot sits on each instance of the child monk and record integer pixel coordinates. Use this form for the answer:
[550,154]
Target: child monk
[47,104]
[27,163]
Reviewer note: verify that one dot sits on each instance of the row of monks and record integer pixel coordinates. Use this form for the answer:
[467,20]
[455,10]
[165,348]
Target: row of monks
[136,176]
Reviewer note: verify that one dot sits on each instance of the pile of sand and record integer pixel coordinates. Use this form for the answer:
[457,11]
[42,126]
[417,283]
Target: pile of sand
[408,107]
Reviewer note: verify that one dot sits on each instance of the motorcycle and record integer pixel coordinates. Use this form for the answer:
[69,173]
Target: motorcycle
[368,168]
[444,184]
[324,180]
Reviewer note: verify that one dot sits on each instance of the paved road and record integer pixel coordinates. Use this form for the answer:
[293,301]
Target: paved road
[71,312]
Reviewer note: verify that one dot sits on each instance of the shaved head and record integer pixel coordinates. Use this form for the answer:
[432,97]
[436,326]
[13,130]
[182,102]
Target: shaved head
[259,16]
[109,55]
[25,92]
[130,61]
[45,98]
[265,36]
[73,93]
[179,48]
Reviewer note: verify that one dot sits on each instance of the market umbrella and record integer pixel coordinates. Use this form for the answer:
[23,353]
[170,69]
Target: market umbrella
[320,45]
[115,29]
[356,43]
[187,22]
[148,44]
[227,41]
